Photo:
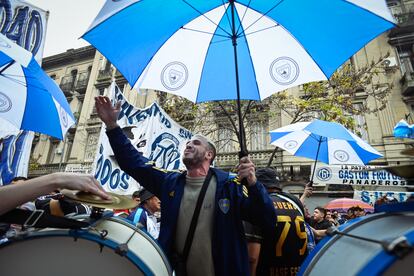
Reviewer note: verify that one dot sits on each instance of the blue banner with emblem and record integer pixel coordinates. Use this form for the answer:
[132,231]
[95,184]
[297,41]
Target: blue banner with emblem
[152,131]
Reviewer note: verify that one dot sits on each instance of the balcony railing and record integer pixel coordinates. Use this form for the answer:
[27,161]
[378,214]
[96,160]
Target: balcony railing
[67,85]
[40,170]
[82,82]
[105,74]
[407,84]
[405,18]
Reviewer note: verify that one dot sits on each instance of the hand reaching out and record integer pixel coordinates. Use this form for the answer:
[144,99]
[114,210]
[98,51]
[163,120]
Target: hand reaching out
[107,112]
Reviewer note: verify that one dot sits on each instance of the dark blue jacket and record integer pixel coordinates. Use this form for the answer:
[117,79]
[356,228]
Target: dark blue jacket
[234,203]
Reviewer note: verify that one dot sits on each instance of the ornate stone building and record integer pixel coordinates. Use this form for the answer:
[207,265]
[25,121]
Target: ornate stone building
[84,73]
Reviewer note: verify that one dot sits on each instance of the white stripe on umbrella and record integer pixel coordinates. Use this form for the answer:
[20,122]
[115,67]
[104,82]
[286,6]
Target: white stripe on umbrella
[12,80]
[341,152]
[279,60]
[65,119]
[182,61]
[378,7]
[291,142]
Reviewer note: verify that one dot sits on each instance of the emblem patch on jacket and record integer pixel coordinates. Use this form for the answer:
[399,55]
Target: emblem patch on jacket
[224,205]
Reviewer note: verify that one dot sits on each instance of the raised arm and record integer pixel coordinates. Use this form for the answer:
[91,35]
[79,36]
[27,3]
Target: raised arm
[128,157]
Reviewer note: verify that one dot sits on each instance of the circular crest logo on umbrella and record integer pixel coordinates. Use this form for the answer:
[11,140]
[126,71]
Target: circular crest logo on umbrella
[291,144]
[64,117]
[5,103]
[341,155]
[324,174]
[4,43]
[284,70]
[174,75]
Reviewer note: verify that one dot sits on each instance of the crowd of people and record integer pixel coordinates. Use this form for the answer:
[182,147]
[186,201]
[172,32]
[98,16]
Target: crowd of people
[207,221]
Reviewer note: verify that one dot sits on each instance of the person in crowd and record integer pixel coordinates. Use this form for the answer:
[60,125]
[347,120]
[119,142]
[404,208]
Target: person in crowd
[350,213]
[385,200]
[144,214]
[341,218]
[136,197]
[359,212]
[331,218]
[218,246]
[12,196]
[286,248]
[307,192]
[318,222]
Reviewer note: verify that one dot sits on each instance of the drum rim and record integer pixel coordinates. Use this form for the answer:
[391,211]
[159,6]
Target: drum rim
[327,242]
[148,237]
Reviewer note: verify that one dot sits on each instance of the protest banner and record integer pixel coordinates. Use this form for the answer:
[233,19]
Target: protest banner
[371,197]
[25,24]
[355,175]
[151,131]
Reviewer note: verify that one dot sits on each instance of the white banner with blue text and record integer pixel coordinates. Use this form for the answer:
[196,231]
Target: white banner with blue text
[152,131]
[371,197]
[356,175]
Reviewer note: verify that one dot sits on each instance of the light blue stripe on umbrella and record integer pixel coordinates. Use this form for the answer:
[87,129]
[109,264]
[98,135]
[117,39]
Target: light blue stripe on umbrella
[4,59]
[363,154]
[40,93]
[276,135]
[309,149]
[329,129]
[152,30]
[218,73]
[318,15]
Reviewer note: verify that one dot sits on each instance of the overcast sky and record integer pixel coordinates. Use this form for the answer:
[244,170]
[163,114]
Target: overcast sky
[68,20]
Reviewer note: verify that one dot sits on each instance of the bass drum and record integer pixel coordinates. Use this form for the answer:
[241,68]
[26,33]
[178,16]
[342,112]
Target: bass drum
[341,255]
[97,250]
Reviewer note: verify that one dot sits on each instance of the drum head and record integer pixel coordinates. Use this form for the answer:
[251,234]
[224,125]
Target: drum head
[341,255]
[63,256]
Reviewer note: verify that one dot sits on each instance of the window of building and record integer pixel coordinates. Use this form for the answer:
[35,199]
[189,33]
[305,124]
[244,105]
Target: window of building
[225,139]
[54,152]
[360,122]
[258,135]
[406,60]
[91,144]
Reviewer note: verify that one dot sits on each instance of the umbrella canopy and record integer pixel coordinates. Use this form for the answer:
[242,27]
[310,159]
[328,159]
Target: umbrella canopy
[343,204]
[233,50]
[403,130]
[327,142]
[29,98]
[186,47]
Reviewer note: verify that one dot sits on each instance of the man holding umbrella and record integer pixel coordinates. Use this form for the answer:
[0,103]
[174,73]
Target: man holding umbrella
[202,208]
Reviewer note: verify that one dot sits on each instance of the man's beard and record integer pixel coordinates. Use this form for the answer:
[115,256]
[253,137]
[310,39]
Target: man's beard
[192,162]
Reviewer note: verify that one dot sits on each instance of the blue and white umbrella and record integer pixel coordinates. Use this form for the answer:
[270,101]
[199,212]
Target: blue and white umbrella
[327,142]
[403,130]
[233,49]
[29,98]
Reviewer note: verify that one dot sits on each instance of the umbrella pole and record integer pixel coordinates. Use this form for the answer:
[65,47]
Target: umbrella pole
[242,137]
[316,160]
